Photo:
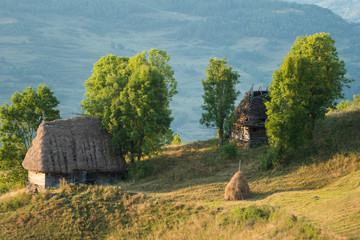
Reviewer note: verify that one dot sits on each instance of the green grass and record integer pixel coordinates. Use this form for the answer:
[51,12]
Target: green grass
[316,196]
[12,179]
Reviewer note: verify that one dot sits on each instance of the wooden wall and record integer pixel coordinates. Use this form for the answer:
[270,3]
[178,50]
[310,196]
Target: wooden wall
[258,134]
[45,180]
[242,134]
[37,178]
[249,135]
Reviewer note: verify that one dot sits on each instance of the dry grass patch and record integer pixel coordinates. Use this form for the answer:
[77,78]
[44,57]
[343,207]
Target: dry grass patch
[335,207]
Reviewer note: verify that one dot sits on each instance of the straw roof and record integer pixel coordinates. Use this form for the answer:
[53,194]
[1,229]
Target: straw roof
[66,146]
[252,111]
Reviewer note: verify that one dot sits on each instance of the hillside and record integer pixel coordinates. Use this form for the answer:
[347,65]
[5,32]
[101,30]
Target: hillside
[57,42]
[314,197]
[348,9]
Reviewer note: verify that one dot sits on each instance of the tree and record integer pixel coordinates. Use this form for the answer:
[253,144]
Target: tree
[176,140]
[219,95]
[20,120]
[131,96]
[309,81]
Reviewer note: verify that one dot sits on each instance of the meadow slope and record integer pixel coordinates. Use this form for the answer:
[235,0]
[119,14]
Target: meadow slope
[315,196]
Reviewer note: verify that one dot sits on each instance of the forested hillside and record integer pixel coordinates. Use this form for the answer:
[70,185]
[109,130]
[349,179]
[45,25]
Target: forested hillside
[57,42]
[348,9]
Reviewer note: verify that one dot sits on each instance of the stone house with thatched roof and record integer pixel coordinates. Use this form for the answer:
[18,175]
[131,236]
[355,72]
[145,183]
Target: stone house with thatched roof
[76,149]
[249,127]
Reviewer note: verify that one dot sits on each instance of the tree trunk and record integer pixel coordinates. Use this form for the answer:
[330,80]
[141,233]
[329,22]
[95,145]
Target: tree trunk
[132,160]
[313,121]
[221,137]
[139,156]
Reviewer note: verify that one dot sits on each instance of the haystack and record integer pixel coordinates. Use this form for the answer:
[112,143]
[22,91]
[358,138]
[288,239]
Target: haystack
[237,188]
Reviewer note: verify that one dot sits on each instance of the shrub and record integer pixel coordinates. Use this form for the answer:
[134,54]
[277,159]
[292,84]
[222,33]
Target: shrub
[308,231]
[252,213]
[343,105]
[248,215]
[229,150]
[13,178]
[347,104]
[140,169]
[268,159]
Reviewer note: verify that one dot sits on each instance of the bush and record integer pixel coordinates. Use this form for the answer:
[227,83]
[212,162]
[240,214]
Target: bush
[347,104]
[248,215]
[11,179]
[308,231]
[140,169]
[268,159]
[252,213]
[229,150]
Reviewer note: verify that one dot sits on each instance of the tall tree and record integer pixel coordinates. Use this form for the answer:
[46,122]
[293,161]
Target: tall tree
[20,119]
[219,95]
[309,81]
[132,97]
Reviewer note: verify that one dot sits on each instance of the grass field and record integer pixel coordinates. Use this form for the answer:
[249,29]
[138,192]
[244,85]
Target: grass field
[316,196]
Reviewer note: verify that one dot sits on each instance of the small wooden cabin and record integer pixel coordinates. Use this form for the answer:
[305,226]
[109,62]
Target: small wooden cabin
[251,115]
[76,150]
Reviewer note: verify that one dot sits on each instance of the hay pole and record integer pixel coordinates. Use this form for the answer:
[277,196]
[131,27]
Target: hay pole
[239,165]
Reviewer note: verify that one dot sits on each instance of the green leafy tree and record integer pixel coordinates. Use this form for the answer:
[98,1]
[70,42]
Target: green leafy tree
[309,81]
[20,120]
[219,95]
[176,140]
[131,96]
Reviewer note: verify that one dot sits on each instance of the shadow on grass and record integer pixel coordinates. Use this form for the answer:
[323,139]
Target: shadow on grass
[261,196]
[337,133]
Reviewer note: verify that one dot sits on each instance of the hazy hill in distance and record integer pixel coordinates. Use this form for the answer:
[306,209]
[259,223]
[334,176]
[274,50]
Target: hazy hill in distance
[348,9]
[57,42]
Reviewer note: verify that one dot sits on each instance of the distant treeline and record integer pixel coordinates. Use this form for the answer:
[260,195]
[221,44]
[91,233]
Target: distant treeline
[92,8]
[216,20]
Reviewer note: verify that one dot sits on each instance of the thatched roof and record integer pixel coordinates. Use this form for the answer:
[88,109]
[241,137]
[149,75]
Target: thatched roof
[66,146]
[252,111]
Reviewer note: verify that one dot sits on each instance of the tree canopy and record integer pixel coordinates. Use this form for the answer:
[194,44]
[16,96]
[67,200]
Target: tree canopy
[309,81]
[131,96]
[20,120]
[219,95]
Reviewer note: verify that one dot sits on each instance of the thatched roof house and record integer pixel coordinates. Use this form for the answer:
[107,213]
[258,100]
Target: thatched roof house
[75,149]
[251,116]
